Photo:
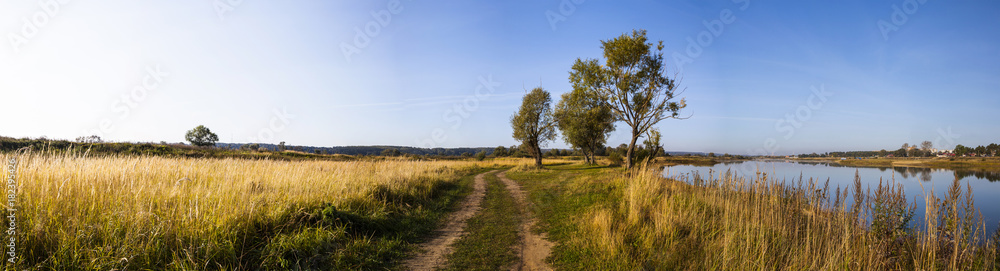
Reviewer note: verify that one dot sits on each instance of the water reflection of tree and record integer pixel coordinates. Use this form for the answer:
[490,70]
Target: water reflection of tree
[992,176]
[924,174]
[811,163]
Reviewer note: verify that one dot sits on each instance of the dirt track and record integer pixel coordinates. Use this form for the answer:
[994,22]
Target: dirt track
[532,249]
[433,252]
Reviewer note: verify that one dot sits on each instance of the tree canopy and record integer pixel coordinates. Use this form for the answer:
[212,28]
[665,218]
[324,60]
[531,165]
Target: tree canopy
[585,121]
[533,123]
[632,82]
[201,136]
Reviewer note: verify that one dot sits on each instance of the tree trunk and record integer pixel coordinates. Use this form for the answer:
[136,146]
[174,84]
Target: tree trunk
[587,154]
[538,156]
[631,150]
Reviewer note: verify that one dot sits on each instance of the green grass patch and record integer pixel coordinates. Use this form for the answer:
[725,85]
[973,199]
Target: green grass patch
[491,235]
[562,195]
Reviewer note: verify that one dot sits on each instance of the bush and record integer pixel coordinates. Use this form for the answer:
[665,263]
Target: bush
[615,159]
[481,155]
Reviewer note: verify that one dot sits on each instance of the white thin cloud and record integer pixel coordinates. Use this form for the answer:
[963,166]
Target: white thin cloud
[739,118]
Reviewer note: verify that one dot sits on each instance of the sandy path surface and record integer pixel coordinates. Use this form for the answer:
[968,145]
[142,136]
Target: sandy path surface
[433,252]
[534,248]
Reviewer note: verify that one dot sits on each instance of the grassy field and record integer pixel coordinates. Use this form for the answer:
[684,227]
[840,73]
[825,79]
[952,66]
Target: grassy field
[604,220]
[142,212]
[153,212]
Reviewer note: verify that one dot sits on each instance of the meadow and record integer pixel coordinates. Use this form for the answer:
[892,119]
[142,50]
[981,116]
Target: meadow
[135,212]
[605,219]
[126,212]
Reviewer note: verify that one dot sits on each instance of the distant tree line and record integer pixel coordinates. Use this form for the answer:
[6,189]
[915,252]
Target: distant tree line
[989,150]
[924,149]
[360,150]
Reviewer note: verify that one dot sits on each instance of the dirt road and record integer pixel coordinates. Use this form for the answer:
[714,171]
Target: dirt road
[532,249]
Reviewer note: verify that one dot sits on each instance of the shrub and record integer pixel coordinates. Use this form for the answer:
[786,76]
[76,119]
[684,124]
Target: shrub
[615,159]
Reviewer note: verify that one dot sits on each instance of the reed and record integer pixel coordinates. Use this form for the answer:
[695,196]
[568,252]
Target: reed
[759,223]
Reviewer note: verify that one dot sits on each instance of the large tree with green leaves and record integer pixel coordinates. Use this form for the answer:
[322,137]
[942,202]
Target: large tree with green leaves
[533,124]
[632,82]
[585,121]
[959,150]
[201,136]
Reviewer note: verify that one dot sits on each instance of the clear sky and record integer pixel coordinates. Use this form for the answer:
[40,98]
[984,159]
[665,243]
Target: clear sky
[451,73]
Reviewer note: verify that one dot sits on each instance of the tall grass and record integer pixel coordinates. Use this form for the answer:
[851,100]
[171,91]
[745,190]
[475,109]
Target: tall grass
[138,212]
[760,223]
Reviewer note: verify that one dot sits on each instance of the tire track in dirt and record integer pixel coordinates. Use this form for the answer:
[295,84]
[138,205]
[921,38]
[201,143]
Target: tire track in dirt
[534,248]
[433,252]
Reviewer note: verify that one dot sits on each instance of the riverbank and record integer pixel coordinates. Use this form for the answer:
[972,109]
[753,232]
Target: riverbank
[694,160]
[602,219]
[966,163]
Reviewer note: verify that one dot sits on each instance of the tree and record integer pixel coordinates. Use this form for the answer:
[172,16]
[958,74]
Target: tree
[906,149]
[89,139]
[201,136]
[901,152]
[653,143]
[390,152]
[883,153]
[632,83]
[500,151]
[250,147]
[281,146]
[585,121]
[533,124]
[926,145]
[960,150]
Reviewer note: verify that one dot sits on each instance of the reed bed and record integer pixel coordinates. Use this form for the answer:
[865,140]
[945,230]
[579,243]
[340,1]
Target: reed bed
[139,212]
[727,222]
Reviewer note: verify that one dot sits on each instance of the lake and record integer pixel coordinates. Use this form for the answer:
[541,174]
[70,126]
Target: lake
[985,185]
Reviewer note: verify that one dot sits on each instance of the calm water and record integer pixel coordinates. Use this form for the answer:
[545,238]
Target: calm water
[985,185]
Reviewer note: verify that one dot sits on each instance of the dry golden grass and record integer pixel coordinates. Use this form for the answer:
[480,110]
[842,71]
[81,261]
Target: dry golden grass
[183,213]
[732,223]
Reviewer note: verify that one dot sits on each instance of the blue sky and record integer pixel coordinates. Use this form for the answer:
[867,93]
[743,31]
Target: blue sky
[451,73]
